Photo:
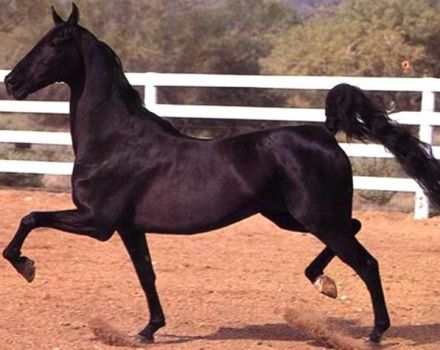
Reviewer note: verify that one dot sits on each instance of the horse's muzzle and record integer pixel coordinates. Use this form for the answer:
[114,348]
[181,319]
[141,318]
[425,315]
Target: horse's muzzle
[15,85]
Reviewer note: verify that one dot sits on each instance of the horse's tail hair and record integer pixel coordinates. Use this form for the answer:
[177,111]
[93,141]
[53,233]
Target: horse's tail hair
[349,110]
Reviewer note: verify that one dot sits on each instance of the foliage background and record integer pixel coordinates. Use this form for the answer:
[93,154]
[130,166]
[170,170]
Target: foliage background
[294,37]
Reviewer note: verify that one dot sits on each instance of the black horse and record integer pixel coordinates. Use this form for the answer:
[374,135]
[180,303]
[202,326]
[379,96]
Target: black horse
[134,173]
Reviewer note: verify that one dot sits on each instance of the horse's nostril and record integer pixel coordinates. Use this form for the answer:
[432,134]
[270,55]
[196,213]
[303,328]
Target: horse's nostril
[11,79]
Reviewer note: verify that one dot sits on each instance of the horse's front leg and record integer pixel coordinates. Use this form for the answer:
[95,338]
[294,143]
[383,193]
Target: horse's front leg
[73,221]
[136,245]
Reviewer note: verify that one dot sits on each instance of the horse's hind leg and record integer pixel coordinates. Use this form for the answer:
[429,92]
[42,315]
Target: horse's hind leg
[136,245]
[315,271]
[350,251]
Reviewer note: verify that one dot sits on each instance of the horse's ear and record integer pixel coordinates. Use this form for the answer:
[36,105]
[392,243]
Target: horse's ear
[74,15]
[56,17]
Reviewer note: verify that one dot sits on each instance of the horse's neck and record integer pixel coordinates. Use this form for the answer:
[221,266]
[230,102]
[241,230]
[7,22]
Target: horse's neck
[97,83]
[97,112]
[98,69]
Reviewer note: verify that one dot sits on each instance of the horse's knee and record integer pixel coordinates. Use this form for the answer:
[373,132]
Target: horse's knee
[29,221]
[10,254]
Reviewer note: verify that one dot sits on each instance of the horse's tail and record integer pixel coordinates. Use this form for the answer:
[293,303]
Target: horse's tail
[348,109]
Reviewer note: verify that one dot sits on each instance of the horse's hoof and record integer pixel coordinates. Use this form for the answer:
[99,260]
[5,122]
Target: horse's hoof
[374,339]
[327,286]
[145,340]
[146,335]
[26,268]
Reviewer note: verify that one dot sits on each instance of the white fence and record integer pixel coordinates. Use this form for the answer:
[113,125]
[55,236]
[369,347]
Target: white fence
[425,119]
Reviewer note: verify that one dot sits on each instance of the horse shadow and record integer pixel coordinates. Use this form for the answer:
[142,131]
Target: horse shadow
[266,332]
[417,334]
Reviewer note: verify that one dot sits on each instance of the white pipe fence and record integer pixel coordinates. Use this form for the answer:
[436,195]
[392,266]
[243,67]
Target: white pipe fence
[425,119]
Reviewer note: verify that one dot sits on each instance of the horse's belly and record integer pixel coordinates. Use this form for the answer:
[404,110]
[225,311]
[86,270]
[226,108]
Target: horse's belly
[193,212]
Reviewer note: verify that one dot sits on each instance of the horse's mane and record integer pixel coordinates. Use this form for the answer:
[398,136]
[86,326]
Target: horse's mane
[129,95]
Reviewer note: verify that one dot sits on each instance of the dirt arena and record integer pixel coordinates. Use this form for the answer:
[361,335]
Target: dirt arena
[226,290]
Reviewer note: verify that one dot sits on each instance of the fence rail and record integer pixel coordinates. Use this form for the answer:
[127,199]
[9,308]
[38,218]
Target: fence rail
[425,119]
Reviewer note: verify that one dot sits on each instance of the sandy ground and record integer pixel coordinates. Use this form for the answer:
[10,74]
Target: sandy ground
[228,289]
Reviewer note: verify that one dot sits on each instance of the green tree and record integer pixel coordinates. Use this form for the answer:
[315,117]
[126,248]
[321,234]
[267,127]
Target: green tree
[363,38]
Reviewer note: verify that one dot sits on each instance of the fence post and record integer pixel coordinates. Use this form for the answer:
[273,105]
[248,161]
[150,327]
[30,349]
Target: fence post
[150,92]
[421,210]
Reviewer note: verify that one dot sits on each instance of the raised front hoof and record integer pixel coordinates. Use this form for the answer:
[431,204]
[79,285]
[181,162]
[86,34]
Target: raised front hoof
[25,267]
[327,286]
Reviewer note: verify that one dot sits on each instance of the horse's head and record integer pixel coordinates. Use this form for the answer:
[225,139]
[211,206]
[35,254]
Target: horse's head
[54,58]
